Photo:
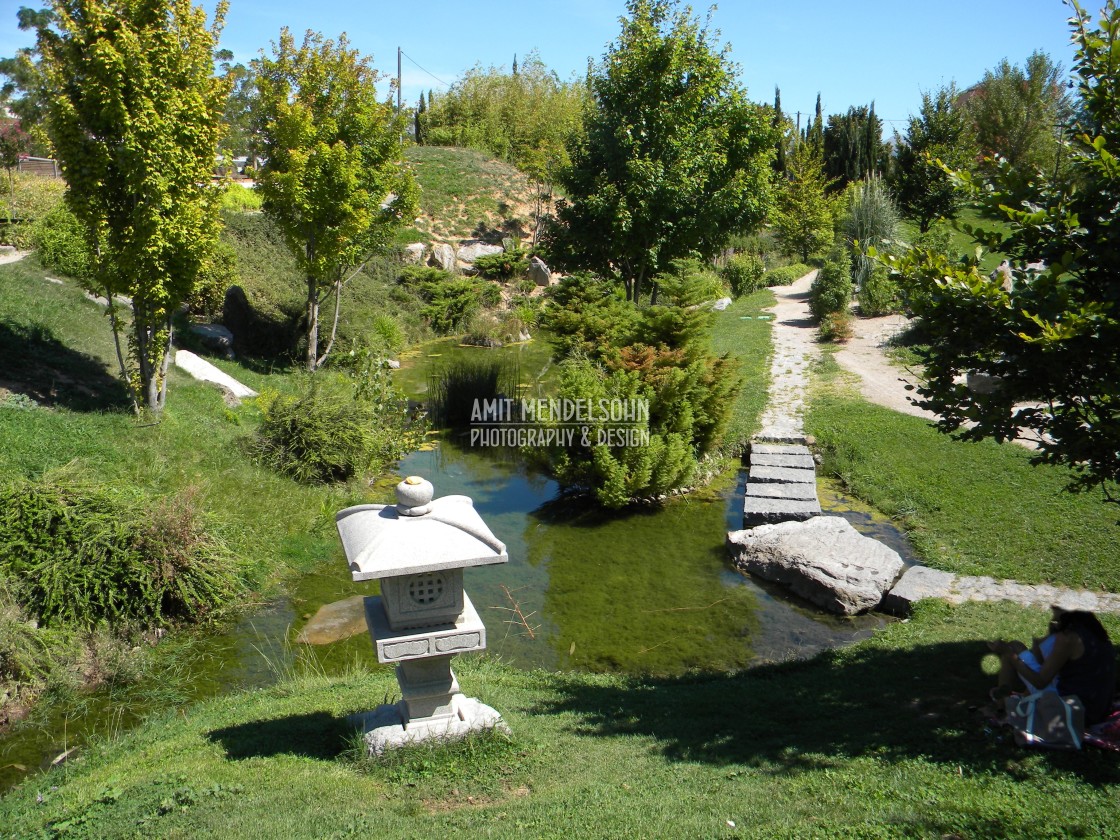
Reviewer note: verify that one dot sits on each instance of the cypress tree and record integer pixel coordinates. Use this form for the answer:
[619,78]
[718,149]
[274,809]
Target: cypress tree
[780,157]
[418,123]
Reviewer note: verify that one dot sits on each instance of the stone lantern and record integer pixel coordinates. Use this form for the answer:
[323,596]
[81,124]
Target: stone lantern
[417,549]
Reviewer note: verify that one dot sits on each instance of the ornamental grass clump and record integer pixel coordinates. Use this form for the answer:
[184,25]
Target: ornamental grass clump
[335,427]
[79,555]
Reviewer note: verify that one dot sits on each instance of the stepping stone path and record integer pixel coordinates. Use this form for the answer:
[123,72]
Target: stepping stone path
[782,485]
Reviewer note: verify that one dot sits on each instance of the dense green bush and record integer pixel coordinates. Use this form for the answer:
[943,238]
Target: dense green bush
[216,274]
[81,555]
[60,243]
[240,199]
[836,326]
[336,427]
[610,349]
[503,266]
[785,275]
[32,198]
[743,274]
[832,289]
[878,295]
[450,301]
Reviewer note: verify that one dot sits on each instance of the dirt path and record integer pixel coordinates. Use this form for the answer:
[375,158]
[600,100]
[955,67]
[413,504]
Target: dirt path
[795,348]
[12,256]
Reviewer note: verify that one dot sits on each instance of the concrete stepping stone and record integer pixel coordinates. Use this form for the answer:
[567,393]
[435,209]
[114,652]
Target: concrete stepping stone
[772,490]
[801,462]
[783,475]
[779,449]
[763,511]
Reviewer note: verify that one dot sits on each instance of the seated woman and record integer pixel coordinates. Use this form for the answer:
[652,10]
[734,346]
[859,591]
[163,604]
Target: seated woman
[1081,662]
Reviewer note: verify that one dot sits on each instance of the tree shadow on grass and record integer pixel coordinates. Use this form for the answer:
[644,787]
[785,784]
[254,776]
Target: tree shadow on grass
[797,716]
[314,735]
[39,366]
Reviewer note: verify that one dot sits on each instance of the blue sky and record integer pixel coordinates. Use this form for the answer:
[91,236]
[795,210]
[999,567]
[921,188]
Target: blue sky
[851,52]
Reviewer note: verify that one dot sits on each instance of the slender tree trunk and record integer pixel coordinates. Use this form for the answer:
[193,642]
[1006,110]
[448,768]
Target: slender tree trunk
[115,324]
[165,364]
[312,325]
[653,297]
[334,325]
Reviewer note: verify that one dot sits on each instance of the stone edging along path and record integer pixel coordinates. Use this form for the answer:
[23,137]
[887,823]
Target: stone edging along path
[795,348]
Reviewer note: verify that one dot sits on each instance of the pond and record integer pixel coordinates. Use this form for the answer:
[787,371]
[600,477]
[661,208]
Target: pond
[647,590]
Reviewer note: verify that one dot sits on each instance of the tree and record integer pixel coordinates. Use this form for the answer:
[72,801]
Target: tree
[241,107]
[24,92]
[853,147]
[942,132]
[803,217]
[14,142]
[418,121]
[814,132]
[333,181]
[1051,336]
[674,157]
[134,112]
[1017,112]
[780,125]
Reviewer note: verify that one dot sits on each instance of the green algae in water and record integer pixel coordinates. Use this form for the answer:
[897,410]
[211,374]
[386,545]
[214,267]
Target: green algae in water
[641,591]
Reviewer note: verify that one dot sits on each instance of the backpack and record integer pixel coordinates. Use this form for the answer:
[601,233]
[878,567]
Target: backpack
[1046,719]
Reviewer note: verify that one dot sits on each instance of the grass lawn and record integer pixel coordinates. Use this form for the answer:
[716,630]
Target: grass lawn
[972,508]
[875,740]
[961,241]
[738,331]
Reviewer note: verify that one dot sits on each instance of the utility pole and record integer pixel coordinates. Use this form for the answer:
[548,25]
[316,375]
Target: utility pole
[398,80]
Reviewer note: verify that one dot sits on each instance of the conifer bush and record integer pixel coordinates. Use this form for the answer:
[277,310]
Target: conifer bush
[81,555]
[743,274]
[832,289]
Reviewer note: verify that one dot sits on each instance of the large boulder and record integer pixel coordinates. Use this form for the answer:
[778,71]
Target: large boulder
[823,560]
[471,249]
[538,272]
[214,337]
[443,256]
[414,254]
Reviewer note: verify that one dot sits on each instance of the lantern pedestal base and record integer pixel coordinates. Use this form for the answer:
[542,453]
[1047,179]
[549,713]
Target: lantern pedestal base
[388,727]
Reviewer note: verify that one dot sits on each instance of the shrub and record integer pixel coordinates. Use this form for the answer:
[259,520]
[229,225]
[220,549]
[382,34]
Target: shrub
[785,275]
[240,199]
[502,266]
[832,289]
[216,274]
[743,274]
[82,555]
[60,243]
[34,197]
[878,295]
[335,428]
[836,326]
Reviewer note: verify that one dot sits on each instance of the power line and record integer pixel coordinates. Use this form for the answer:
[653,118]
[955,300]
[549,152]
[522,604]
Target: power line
[426,70]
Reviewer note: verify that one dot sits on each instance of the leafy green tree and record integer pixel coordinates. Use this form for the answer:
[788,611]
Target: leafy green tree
[240,136]
[674,158]
[24,92]
[135,115]
[1017,112]
[523,116]
[853,146]
[333,181]
[1050,336]
[13,143]
[804,212]
[942,132]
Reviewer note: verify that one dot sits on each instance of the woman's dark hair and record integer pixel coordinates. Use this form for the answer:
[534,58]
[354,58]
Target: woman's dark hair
[1081,620]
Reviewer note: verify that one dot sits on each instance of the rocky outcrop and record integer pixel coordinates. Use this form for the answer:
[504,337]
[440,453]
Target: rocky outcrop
[214,337]
[471,249]
[823,560]
[443,256]
[539,272]
[414,254]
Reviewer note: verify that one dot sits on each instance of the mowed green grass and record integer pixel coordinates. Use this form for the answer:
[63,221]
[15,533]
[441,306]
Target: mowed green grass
[739,332]
[875,740]
[196,443]
[971,508]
